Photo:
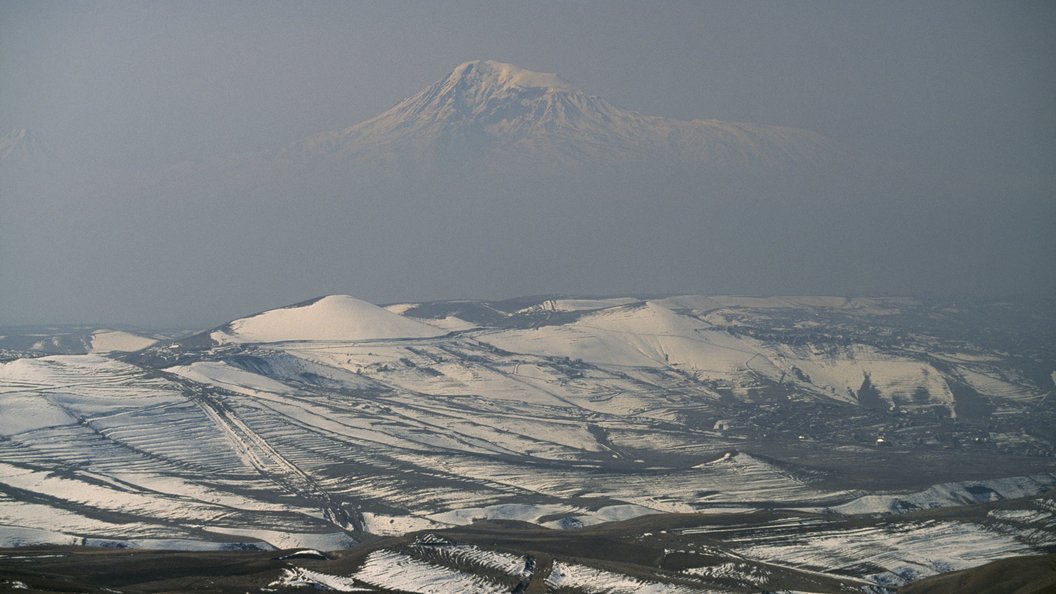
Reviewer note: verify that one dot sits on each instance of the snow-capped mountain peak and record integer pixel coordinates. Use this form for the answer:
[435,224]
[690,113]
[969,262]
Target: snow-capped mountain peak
[509,118]
[496,99]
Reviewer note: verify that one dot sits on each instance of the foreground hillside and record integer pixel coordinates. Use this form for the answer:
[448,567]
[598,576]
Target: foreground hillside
[672,444]
[670,554]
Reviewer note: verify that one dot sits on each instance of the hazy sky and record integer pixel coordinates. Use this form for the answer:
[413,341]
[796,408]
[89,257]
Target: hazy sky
[964,90]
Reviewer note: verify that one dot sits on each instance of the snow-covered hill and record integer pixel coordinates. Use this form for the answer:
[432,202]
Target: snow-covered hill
[334,317]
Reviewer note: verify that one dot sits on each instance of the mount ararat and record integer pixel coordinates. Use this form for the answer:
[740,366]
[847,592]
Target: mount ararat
[492,114]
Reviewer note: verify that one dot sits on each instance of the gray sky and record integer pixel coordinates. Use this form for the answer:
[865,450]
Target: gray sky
[964,91]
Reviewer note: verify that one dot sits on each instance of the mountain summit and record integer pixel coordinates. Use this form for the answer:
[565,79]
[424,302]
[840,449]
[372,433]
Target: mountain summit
[485,73]
[498,114]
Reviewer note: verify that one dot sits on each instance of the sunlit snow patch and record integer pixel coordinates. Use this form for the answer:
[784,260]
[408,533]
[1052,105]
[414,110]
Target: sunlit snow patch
[749,575]
[571,575]
[298,577]
[513,565]
[303,554]
[386,569]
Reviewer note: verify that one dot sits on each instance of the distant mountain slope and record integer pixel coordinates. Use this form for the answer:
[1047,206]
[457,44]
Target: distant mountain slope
[69,340]
[18,144]
[110,341]
[28,162]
